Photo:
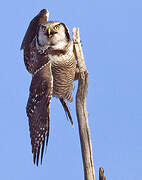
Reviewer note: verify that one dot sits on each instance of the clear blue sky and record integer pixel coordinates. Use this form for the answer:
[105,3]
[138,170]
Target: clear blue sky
[111,34]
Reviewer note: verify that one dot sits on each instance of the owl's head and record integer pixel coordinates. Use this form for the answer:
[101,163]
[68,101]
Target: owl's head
[53,34]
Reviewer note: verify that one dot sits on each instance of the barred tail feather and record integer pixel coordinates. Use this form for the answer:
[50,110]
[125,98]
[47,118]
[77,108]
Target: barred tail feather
[64,104]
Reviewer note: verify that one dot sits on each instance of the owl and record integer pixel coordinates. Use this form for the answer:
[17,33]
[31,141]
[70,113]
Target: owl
[49,57]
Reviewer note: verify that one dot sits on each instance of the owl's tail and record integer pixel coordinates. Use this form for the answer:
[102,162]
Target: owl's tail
[64,104]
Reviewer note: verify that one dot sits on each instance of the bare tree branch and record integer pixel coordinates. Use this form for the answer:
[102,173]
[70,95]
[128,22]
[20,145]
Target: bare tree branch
[82,114]
[101,174]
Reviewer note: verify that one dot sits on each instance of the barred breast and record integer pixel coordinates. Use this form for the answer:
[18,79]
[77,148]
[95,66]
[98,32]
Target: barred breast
[63,70]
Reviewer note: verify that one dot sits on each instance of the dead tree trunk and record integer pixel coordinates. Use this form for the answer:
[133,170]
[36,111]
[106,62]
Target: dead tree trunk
[82,114]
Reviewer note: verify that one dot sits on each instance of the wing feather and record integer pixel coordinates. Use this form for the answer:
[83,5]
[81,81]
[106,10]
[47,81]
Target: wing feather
[38,109]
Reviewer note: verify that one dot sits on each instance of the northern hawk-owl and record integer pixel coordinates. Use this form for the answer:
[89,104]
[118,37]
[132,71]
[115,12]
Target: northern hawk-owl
[49,57]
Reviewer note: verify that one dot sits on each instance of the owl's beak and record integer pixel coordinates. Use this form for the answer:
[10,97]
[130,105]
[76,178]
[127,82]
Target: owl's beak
[49,31]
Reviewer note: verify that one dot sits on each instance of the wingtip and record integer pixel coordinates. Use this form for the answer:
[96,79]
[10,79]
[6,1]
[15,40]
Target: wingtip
[37,158]
[37,163]
[34,158]
[22,45]
[44,11]
[42,151]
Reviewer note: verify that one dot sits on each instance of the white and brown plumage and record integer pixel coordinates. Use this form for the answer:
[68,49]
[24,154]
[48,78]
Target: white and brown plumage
[49,57]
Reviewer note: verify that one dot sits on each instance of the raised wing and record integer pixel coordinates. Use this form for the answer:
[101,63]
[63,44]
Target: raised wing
[38,109]
[32,29]
[29,42]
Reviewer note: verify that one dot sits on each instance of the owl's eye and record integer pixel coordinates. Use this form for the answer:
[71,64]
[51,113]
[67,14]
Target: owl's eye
[43,28]
[56,27]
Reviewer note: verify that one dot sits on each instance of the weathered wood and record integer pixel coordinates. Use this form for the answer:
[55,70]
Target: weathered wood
[82,114]
[101,174]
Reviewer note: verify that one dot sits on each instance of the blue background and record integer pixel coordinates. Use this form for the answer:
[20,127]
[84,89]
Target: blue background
[111,34]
